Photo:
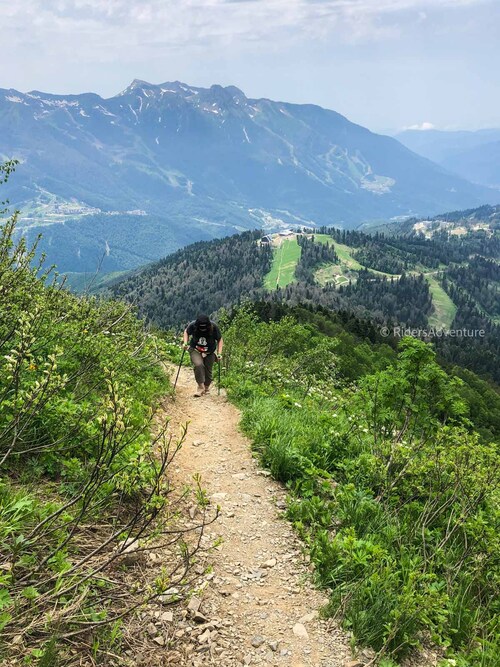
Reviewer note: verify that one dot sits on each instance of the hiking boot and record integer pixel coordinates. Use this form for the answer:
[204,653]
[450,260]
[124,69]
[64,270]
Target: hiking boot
[200,391]
[207,389]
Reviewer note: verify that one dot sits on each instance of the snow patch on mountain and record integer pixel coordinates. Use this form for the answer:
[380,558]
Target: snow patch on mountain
[15,99]
[379,185]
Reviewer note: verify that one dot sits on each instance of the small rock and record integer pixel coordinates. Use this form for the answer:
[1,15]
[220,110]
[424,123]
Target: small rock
[308,617]
[167,617]
[299,630]
[270,563]
[170,595]
[353,663]
[274,646]
[194,604]
[128,551]
[204,637]
[151,629]
[159,640]
[247,660]
[198,617]
[281,504]
[257,641]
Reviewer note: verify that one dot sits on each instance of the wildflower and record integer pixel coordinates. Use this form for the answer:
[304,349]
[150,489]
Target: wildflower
[32,367]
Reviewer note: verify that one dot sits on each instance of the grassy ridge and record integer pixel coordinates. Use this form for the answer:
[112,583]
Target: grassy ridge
[348,263]
[444,308]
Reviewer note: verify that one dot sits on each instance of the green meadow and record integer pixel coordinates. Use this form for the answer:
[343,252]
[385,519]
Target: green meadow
[285,259]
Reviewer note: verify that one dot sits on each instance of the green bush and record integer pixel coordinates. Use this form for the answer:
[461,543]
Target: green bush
[393,491]
[82,472]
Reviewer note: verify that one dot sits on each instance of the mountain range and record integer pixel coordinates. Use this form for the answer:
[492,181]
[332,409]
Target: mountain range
[128,179]
[472,155]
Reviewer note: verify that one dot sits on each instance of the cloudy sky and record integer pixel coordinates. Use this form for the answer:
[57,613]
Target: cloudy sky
[387,64]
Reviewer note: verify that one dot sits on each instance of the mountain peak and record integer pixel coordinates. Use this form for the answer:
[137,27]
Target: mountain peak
[137,83]
[222,93]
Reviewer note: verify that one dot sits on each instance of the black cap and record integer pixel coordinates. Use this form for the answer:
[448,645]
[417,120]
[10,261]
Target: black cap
[202,322]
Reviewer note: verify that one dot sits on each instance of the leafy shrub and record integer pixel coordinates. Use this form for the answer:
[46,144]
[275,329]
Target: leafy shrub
[82,476]
[393,491]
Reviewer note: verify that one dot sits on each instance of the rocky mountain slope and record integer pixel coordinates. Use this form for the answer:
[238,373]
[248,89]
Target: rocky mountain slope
[172,159]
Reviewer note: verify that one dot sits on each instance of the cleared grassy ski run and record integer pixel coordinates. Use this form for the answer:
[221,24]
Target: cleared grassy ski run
[444,308]
[285,259]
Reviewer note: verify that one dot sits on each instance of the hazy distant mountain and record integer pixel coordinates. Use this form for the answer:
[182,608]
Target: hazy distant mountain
[172,161]
[473,155]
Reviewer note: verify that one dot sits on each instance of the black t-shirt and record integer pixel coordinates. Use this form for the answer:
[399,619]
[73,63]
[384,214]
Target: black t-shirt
[205,343]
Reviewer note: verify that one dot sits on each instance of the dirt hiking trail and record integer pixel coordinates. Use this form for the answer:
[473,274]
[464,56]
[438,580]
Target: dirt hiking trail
[258,606]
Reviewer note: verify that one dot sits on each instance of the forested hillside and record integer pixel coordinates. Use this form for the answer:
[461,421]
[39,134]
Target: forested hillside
[200,278]
[485,216]
[445,281]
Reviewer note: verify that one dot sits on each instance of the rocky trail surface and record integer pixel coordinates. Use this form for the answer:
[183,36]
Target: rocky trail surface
[257,605]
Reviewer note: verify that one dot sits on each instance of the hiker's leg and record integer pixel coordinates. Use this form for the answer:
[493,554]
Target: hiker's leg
[199,366]
[209,364]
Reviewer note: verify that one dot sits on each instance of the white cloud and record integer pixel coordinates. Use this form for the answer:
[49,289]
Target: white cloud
[88,24]
[422,126]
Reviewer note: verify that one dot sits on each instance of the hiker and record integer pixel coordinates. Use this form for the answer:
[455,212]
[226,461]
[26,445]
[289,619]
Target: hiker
[203,339]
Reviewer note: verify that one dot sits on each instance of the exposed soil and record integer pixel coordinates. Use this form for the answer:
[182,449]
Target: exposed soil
[259,603]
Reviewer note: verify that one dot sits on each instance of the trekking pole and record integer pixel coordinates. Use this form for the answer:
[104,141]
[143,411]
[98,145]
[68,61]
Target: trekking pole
[179,369]
[218,384]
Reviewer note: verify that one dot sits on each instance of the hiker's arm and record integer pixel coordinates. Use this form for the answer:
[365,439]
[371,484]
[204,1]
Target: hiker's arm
[185,337]
[220,345]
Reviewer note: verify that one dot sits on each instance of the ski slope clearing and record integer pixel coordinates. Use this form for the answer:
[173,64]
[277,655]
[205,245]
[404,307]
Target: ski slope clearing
[286,256]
